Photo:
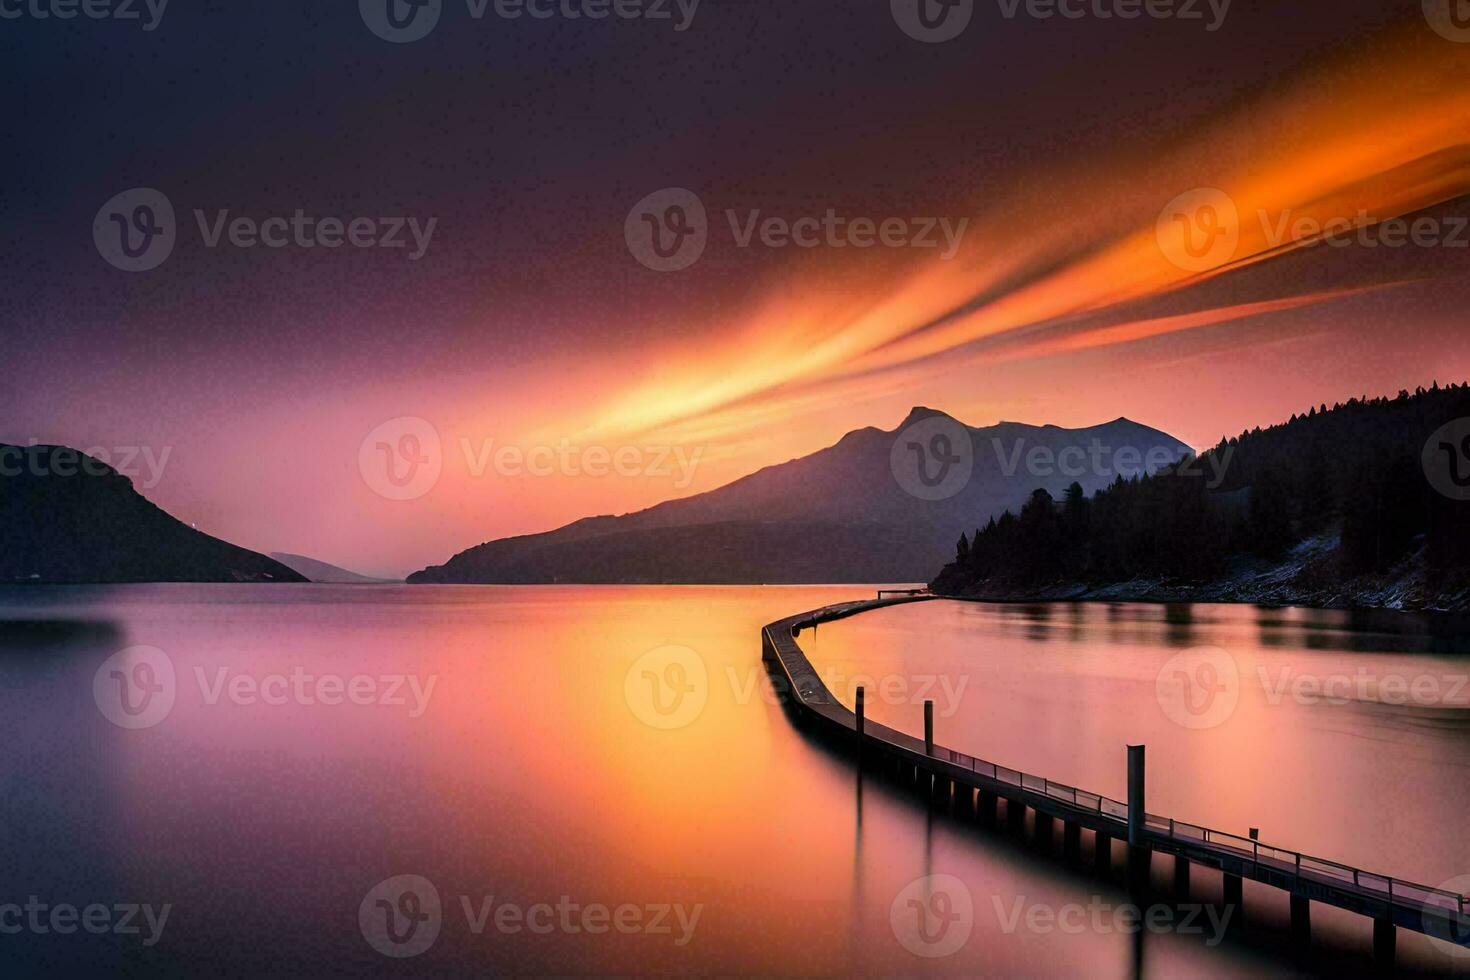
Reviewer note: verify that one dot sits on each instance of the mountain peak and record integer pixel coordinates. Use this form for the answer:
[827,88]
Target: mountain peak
[919,413]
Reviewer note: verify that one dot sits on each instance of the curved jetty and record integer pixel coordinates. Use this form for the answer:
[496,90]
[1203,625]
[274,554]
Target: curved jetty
[972,784]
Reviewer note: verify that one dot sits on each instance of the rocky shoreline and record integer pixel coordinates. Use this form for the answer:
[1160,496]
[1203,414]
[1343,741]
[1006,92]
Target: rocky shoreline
[1306,577]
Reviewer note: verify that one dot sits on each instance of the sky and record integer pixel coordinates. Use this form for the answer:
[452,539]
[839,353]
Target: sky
[993,225]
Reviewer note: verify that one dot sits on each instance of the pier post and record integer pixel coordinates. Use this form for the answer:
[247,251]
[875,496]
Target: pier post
[964,801]
[860,712]
[1044,832]
[929,728]
[1071,840]
[1015,816]
[1138,854]
[1235,900]
[987,807]
[1135,795]
[1301,918]
[1181,875]
[1384,936]
[1103,853]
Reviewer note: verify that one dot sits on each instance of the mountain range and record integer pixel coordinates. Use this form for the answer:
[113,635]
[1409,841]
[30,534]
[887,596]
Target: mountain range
[877,506]
[324,572]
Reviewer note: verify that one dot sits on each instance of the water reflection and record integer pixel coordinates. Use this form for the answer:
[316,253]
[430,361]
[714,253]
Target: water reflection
[532,775]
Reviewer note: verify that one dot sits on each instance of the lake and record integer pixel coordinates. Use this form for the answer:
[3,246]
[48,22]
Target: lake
[322,780]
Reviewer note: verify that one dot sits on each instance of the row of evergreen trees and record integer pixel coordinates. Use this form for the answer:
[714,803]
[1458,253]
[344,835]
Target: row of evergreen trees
[1353,469]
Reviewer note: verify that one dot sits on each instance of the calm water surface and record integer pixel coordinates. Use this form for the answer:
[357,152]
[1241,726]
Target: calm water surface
[542,747]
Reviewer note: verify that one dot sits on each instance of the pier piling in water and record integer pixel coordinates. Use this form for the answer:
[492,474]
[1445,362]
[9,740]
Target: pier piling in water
[1139,854]
[1301,918]
[1044,831]
[929,728]
[1384,937]
[1071,840]
[987,803]
[1235,900]
[972,784]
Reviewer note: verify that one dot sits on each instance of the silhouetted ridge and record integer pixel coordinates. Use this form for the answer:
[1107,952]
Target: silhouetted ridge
[67,517]
[838,515]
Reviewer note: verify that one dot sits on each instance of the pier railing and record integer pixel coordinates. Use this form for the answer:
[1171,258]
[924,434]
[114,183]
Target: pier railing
[1394,890]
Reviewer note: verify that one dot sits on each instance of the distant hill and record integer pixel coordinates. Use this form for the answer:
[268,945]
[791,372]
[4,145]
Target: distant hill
[320,571]
[1366,503]
[857,511]
[67,517]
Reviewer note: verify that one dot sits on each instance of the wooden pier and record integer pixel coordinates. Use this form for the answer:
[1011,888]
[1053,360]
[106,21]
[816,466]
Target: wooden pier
[976,784]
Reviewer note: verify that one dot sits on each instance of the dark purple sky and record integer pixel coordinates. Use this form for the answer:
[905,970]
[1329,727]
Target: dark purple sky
[526,321]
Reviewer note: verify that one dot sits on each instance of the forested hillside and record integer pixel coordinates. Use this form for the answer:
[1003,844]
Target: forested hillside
[1363,481]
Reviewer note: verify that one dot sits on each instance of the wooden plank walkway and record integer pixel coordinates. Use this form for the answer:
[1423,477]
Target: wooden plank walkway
[1385,898]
